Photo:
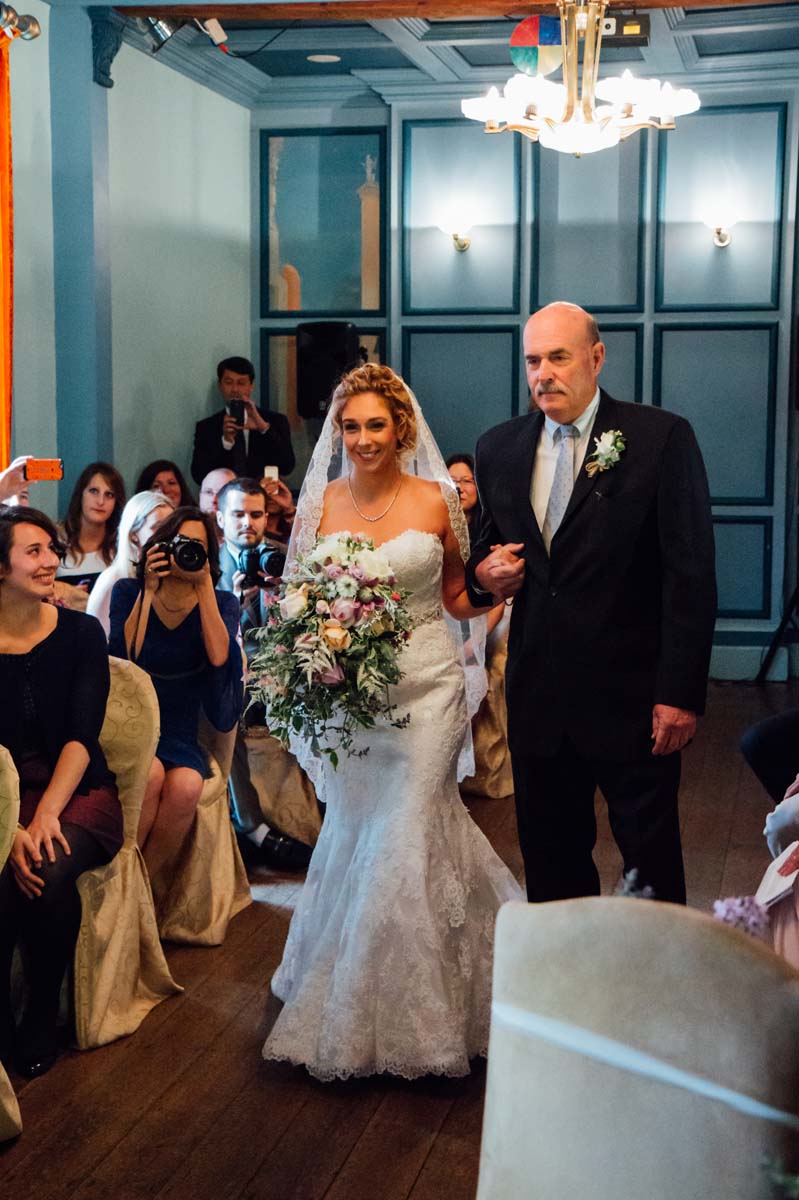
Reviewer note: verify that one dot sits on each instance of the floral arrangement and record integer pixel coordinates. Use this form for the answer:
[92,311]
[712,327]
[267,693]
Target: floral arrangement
[744,913]
[330,647]
[609,449]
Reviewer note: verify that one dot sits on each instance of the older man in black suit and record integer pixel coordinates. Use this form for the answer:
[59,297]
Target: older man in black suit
[596,519]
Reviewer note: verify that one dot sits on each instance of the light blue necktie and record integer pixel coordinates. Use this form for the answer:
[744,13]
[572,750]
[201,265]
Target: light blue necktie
[562,482]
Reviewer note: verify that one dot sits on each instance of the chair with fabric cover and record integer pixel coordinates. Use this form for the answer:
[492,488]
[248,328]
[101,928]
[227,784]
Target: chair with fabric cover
[208,885]
[285,793]
[637,1049]
[10,1119]
[120,969]
[493,776]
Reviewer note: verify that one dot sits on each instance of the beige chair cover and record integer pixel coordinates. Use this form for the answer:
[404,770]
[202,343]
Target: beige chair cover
[10,1119]
[285,793]
[493,776]
[670,983]
[120,969]
[209,883]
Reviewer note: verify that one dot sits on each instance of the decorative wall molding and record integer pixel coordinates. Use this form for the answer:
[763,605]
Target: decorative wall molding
[108,27]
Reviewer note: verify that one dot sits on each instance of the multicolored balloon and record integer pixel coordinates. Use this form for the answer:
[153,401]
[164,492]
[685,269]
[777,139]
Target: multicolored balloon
[535,47]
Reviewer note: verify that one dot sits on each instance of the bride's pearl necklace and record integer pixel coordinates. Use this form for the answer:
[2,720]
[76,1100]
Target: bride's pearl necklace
[380,516]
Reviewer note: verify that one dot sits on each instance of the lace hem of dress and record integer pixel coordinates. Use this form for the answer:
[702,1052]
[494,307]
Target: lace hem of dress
[405,1070]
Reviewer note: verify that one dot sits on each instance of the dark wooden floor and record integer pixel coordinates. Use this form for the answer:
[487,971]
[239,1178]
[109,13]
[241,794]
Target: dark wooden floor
[186,1109]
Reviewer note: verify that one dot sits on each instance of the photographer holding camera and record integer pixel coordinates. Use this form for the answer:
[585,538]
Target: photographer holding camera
[174,624]
[250,564]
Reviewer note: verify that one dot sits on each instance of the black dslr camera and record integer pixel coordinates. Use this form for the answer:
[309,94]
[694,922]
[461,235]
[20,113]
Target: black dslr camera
[187,553]
[266,558]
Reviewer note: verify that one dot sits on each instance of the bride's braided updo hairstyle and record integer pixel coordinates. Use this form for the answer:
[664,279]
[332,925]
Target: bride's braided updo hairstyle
[386,384]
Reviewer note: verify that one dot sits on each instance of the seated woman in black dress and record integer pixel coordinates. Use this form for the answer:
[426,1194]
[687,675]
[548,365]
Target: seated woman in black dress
[177,627]
[54,680]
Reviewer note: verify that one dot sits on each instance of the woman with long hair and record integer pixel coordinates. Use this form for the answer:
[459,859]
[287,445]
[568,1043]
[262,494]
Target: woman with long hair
[54,664]
[172,622]
[387,966]
[162,475]
[89,529]
[139,518]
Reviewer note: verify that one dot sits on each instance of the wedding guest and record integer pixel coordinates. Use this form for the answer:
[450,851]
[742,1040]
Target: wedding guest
[55,663]
[172,622]
[89,529]
[261,440]
[461,472]
[161,475]
[242,520]
[142,513]
[280,509]
[492,774]
[771,747]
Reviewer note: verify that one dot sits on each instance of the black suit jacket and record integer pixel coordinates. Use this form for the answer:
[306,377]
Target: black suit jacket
[620,615]
[272,448]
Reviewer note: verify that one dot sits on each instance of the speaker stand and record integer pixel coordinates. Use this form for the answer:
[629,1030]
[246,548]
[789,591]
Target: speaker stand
[788,618]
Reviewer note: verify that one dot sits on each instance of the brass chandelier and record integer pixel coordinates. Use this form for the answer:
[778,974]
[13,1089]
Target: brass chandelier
[565,116]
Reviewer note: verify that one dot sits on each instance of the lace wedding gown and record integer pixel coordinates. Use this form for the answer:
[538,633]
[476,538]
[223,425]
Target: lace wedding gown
[387,966]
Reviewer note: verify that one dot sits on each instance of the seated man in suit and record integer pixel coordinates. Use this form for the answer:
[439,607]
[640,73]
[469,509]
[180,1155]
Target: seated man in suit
[241,515]
[263,440]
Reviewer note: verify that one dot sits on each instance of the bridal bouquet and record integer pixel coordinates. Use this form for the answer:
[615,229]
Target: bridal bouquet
[330,647]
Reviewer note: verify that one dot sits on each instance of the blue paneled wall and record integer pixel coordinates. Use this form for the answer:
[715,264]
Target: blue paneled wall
[628,233]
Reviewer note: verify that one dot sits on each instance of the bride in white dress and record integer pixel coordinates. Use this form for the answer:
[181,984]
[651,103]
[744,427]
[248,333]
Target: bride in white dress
[387,966]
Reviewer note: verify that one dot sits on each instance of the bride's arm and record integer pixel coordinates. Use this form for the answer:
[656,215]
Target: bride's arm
[455,596]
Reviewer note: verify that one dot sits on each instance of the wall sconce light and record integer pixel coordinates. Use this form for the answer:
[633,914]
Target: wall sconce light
[13,25]
[456,221]
[720,218]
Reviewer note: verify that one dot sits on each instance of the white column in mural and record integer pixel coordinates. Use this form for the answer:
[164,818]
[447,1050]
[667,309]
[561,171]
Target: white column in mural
[277,291]
[369,194]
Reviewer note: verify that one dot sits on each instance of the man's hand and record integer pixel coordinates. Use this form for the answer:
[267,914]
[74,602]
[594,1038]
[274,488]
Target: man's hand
[672,728]
[502,572]
[244,595]
[252,418]
[230,428]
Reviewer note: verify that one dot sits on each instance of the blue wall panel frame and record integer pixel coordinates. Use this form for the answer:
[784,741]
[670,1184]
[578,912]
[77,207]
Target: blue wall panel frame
[606,327]
[767,496]
[512,410]
[776,259]
[383,175]
[407,308]
[539,232]
[764,579]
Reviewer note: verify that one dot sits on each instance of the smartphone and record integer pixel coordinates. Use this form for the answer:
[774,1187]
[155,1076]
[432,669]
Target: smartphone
[44,468]
[270,473]
[236,407]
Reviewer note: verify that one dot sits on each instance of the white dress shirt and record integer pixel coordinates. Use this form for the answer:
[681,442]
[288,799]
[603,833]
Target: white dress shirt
[546,454]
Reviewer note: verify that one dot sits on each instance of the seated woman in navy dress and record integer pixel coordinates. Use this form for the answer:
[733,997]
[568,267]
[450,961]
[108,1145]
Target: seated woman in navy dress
[54,681]
[172,622]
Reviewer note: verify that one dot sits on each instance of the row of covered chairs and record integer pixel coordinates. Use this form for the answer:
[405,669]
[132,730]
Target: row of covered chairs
[120,971]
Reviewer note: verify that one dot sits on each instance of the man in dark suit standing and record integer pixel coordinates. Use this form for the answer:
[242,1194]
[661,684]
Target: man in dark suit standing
[596,520]
[263,440]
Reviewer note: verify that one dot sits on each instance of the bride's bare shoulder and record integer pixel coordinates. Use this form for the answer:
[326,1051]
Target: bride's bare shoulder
[335,489]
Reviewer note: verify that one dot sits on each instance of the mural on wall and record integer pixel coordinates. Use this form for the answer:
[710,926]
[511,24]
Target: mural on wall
[322,217]
[279,368]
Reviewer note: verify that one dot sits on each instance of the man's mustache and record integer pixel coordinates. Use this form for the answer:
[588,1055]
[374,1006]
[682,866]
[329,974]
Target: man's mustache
[546,388]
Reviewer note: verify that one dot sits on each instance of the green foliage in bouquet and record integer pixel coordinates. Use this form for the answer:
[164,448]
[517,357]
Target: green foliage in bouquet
[330,648]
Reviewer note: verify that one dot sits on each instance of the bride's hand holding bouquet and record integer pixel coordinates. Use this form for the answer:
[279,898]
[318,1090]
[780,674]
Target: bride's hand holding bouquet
[330,648]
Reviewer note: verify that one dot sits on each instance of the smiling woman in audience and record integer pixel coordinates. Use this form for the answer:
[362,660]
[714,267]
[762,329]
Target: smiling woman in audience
[54,662]
[90,526]
[161,475]
[140,516]
[172,622]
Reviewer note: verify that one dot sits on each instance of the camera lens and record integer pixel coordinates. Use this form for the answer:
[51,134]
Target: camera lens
[189,554]
[273,561]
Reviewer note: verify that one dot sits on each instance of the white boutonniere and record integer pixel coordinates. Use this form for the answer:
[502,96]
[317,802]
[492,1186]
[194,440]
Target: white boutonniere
[609,449]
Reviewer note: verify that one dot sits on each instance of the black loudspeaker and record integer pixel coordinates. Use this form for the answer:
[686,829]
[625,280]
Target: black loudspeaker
[325,350]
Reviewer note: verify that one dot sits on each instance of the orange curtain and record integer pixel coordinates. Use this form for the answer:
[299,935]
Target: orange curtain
[6,255]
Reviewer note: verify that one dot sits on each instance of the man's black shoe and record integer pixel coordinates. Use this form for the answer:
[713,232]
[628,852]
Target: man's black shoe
[277,850]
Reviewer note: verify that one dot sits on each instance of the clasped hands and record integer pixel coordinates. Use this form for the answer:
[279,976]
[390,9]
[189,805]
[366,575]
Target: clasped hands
[252,420]
[28,848]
